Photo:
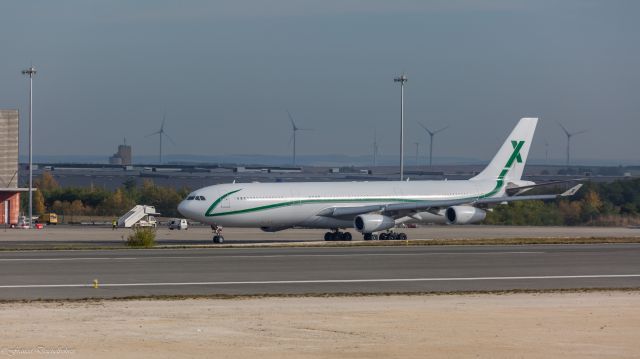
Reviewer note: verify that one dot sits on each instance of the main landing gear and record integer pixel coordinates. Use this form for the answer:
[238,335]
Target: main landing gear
[217,234]
[336,235]
[385,236]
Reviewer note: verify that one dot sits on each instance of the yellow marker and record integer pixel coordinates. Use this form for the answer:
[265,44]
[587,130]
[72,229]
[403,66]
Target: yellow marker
[95,283]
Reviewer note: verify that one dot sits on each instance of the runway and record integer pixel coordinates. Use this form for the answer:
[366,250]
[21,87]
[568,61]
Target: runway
[97,237]
[122,273]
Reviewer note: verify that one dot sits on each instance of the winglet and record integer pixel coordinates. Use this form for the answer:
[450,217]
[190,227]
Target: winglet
[571,191]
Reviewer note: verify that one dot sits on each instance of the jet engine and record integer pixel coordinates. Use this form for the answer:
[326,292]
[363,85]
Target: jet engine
[464,215]
[369,223]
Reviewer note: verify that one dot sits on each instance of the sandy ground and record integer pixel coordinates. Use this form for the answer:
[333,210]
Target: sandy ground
[570,325]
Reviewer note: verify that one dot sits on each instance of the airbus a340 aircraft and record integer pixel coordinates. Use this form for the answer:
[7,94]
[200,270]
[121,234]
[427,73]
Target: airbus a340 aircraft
[371,208]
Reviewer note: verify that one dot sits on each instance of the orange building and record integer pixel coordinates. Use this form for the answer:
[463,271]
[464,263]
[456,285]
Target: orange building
[9,191]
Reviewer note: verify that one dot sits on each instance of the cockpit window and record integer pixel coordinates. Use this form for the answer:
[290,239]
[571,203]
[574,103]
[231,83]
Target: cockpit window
[202,198]
[191,198]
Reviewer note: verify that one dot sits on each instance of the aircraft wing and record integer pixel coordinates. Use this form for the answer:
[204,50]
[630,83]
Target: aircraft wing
[401,209]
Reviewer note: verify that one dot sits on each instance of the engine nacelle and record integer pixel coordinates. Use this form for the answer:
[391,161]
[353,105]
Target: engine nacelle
[369,223]
[464,215]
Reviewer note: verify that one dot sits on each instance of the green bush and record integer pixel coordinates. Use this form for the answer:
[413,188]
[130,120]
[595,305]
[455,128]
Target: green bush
[142,237]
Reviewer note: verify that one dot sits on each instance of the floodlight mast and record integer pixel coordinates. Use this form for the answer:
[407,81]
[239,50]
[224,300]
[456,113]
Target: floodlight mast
[31,71]
[401,79]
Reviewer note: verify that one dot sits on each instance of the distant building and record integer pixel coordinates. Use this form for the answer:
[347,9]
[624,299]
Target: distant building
[9,191]
[123,156]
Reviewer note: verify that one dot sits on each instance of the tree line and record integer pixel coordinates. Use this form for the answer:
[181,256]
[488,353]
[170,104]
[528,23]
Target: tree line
[80,201]
[601,204]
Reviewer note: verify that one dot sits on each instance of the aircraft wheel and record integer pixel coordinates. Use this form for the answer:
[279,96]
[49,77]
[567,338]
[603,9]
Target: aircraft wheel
[328,236]
[368,236]
[383,236]
[402,236]
[346,236]
[218,239]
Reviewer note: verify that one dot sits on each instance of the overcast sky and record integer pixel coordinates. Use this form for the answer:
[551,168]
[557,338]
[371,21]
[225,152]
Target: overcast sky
[226,71]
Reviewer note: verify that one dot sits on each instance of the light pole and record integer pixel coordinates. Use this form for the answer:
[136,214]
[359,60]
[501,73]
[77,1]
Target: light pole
[402,79]
[31,71]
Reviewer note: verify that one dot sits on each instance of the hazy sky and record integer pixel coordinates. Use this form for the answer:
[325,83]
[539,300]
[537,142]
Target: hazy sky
[226,71]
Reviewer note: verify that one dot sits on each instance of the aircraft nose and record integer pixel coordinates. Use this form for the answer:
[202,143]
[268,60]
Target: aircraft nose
[184,210]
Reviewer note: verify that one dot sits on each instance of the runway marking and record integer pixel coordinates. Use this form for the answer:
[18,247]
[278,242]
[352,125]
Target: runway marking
[65,259]
[321,281]
[263,256]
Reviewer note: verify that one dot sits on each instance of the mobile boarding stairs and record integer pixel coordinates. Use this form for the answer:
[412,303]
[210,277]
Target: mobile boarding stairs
[139,216]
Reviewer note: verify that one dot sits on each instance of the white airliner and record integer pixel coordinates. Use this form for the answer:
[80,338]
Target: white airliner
[369,207]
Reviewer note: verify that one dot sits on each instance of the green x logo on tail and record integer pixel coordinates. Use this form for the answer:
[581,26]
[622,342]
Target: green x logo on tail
[517,145]
[515,156]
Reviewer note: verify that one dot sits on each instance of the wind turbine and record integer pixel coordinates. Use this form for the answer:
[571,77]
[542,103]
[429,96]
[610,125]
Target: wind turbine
[376,149]
[417,151]
[569,135]
[294,129]
[160,134]
[546,151]
[431,134]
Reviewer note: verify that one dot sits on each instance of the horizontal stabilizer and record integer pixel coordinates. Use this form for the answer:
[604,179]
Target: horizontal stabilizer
[511,191]
[571,191]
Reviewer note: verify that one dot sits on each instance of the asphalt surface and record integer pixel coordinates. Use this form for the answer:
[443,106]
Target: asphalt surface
[122,273]
[100,237]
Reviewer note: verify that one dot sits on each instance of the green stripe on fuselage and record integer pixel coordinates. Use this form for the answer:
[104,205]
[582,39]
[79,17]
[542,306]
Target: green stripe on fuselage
[304,201]
[217,201]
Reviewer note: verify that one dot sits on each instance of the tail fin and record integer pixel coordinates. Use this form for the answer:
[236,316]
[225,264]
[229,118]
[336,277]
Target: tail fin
[509,162]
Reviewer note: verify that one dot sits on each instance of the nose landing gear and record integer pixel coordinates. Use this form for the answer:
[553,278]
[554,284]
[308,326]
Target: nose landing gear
[217,234]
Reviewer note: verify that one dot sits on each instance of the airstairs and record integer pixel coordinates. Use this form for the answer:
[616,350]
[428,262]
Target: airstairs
[140,215]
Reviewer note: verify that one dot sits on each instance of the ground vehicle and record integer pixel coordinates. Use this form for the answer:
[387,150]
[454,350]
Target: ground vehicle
[24,224]
[48,218]
[149,221]
[178,223]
